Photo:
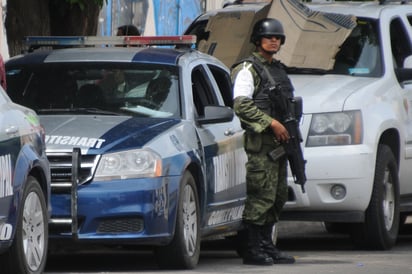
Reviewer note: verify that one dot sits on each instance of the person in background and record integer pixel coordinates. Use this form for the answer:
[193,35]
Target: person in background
[266,179]
[127,30]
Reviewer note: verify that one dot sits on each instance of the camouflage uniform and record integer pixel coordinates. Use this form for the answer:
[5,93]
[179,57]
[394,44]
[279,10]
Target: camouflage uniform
[266,181]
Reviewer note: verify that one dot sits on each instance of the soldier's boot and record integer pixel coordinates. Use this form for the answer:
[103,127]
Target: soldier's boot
[254,254]
[278,257]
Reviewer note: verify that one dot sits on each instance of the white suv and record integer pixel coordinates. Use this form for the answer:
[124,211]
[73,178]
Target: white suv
[357,127]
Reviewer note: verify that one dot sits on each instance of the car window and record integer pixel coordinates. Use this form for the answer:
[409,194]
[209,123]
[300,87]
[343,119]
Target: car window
[203,94]
[198,28]
[142,90]
[401,46]
[360,54]
[224,83]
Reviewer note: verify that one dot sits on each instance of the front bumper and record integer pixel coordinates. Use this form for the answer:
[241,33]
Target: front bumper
[350,167]
[138,210]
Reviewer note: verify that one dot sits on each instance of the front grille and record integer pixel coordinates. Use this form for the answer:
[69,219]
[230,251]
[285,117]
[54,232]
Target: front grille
[123,225]
[61,169]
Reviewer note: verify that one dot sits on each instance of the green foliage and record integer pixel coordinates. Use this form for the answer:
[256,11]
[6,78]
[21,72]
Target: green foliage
[81,3]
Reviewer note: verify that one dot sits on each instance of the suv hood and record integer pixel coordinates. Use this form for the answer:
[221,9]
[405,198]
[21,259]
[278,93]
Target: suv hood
[328,92]
[101,134]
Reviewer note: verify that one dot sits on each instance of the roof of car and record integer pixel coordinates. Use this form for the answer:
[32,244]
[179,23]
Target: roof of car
[359,9]
[236,7]
[370,9]
[116,54]
[120,49]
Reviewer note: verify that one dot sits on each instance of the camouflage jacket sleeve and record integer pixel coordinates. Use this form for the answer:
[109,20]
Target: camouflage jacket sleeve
[251,117]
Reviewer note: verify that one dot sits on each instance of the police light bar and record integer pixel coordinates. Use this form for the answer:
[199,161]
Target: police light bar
[73,41]
[160,40]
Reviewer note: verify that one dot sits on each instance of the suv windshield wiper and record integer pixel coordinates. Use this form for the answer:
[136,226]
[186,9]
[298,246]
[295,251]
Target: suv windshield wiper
[297,70]
[76,110]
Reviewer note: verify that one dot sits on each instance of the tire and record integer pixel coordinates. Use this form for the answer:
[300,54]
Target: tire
[28,252]
[184,250]
[381,226]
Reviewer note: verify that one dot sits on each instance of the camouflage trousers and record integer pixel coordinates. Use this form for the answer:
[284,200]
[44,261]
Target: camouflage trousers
[266,184]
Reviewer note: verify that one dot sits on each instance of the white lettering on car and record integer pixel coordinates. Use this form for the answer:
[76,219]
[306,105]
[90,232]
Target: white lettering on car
[5,232]
[229,169]
[6,188]
[226,215]
[74,141]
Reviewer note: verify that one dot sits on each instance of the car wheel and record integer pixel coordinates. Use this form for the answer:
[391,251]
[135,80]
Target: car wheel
[28,253]
[380,229]
[183,252]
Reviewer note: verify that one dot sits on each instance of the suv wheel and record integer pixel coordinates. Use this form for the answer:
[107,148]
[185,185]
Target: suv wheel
[28,252]
[380,229]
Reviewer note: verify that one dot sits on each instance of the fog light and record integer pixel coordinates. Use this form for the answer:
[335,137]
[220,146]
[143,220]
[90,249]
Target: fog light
[338,192]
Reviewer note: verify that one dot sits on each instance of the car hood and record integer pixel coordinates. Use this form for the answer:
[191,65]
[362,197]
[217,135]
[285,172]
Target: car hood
[323,93]
[101,134]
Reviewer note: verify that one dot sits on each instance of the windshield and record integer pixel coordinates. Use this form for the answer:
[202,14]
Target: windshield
[360,54]
[107,89]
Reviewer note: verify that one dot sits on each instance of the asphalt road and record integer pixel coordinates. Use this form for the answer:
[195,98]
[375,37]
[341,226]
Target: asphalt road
[315,250]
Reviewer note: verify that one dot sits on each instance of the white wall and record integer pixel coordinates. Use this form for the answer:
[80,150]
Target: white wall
[214,4]
[4,49]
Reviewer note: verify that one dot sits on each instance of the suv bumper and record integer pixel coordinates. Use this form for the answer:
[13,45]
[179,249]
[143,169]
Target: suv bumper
[327,167]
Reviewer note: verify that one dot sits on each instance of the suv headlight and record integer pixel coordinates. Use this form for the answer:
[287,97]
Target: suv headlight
[129,164]
[335,129]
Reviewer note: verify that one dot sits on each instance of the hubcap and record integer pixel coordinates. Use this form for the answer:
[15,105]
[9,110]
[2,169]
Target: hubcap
[33,231]
[388,200]
[189,219]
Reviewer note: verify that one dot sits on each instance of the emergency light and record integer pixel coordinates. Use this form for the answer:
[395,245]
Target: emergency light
[33,42]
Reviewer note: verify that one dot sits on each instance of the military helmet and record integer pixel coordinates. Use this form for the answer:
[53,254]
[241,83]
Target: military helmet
[267,26]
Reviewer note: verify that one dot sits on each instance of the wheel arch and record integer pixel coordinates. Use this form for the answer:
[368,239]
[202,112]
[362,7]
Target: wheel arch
[43,178]
[391,138]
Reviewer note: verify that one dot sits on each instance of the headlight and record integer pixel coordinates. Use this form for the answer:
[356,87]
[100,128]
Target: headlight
[335,129]
[129,164]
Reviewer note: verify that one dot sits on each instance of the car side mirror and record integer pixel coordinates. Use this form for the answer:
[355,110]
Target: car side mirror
[216,114]
[407,63]
[404,74]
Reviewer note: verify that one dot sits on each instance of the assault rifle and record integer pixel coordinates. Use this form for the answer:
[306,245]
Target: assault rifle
[292,108]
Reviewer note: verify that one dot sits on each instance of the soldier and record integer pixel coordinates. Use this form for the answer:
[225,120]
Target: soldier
[266,180]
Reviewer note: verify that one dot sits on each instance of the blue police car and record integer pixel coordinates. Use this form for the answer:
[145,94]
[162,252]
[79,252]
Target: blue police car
[24,190]
[145,133]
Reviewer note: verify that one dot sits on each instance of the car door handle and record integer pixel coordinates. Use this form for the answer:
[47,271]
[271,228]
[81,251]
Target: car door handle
[12,130]
[229,132]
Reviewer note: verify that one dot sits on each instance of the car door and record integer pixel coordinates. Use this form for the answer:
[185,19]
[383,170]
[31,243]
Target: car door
[9,147]
[401,49]
[224,156]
